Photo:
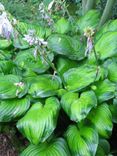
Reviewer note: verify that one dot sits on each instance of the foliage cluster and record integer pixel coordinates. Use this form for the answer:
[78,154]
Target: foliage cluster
[62,72]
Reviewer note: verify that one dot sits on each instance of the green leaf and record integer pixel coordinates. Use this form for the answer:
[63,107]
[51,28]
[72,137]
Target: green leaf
[44,86]
[63,64]
[39,30]
[23,28]
[67,100]
[10,87]
[113,109]
[6,66]
[82,141]
[101,118]
[90,19]
[13,108]
[4,44]
[105,90]
[109,40]
[40,121]
[57,147]
[78,108]
[5,55]
[62,26]
[103,148]
[108,27]
[67,46]
[81,77]
[26,60]
[111,66]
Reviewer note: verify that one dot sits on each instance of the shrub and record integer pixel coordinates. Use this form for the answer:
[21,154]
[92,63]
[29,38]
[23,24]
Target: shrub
[60,74]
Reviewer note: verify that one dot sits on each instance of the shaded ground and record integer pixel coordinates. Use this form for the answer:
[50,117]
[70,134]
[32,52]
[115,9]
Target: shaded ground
[6,147]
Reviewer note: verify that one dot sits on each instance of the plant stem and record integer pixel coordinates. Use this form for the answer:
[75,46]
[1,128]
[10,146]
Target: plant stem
[84,2]
[46,58]
[89,5]
[107,12]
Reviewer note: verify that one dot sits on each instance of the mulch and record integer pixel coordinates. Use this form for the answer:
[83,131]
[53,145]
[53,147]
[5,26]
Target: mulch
[6,147]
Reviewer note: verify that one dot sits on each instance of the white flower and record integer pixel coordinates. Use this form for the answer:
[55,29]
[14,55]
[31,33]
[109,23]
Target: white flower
[50,5]
[1,7]
[6,29]
[19,84]
[32,39]
[89,46]
[42,42]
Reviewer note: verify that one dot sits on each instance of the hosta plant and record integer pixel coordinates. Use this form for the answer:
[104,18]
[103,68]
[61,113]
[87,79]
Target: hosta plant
[58,81]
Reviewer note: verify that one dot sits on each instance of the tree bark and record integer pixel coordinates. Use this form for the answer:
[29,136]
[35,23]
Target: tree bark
[107,12]
[90,5]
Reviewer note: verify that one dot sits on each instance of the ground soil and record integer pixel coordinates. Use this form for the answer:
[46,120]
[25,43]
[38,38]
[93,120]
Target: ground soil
[6,147]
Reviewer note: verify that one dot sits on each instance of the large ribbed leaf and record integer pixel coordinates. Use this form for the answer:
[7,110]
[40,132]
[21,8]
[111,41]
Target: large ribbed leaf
[109,26]
[79,78]
[63,64]
[6,66]
[82,141]
[106,46]
[111,66]
[67,46]
[44,86]
[78,108]
[11,86]
[39,30]
[23,28]
[90,19]
[113,108]
[105,90]
[57,147]
[67,100]
[62,26]
[101,117]
[103,148]
[4,44]
[26,60]
[40,121]
[5,55]
[12,109]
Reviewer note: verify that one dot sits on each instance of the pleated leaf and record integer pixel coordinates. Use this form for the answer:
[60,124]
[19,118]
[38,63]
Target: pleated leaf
[106,46]
[101,118]
[113,109]
[67,100]
[108,27]
[67,46]
[57,147]
[27,60]
[82,141]
[40,121]
[13,109]
[44,86]
[81,77]
[6,66]
[111,65]
[105,90]
[4,44]
[62,26]
[90,19]
[78,108]
[64,64]
[11,86]
[103,148]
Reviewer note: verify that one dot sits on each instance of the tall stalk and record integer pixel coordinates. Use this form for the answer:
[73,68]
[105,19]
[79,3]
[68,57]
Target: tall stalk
[107,12]
[84,2]
[89,5]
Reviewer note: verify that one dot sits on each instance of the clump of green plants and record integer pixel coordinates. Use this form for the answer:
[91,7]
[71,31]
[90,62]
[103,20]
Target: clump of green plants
[58,80]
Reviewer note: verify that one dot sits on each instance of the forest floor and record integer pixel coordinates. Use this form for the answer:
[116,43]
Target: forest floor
[6,147]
